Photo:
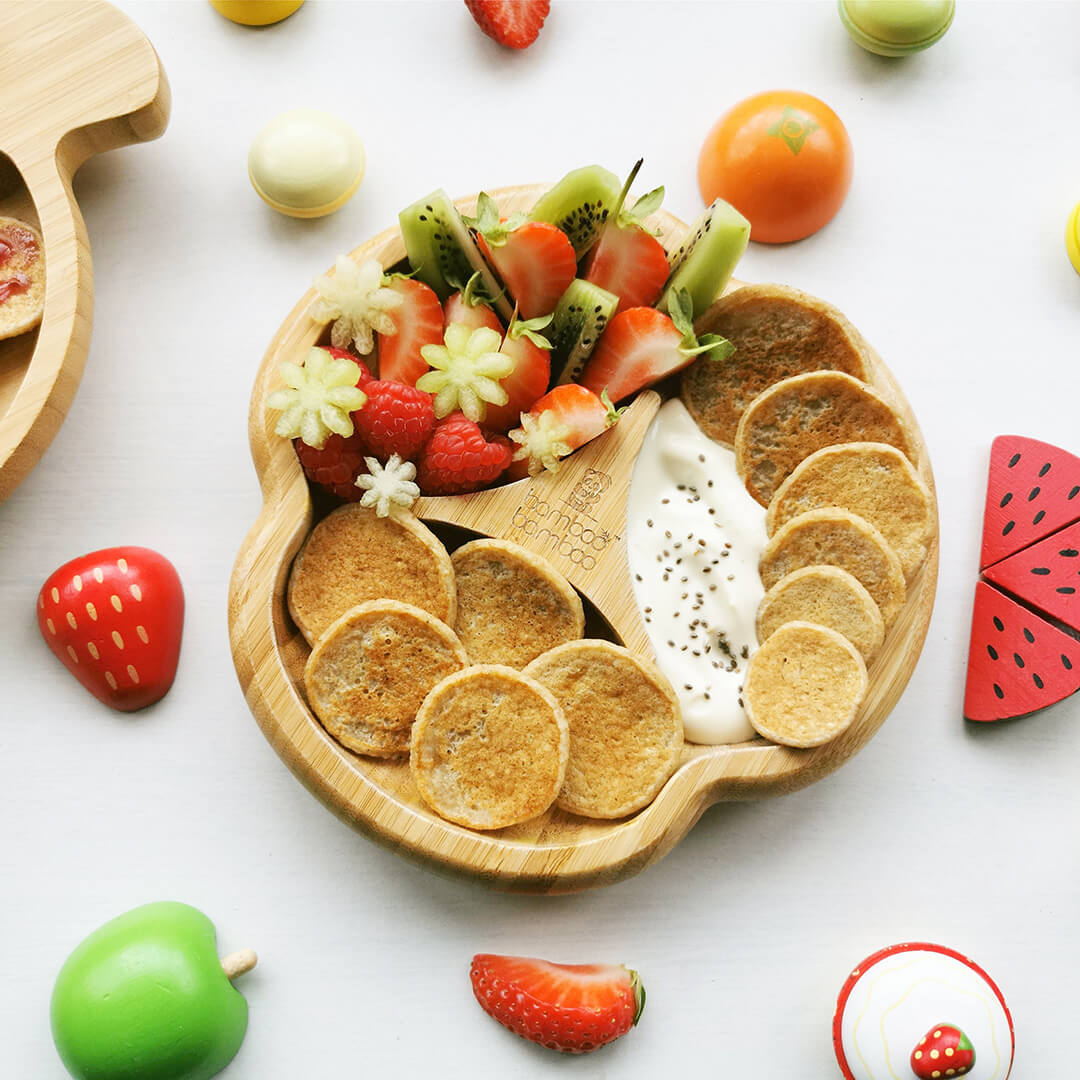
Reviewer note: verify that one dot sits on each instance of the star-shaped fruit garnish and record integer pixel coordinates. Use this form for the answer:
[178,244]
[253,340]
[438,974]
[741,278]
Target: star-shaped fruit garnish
[355,297]
[466,370]
[317,398]
[389,487]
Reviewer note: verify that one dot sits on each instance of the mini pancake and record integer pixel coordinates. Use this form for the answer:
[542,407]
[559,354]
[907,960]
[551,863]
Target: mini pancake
[828,596]
[371,670]
[353,556]
[804,685]
[489,748]
[873,480]
[777,332]
[794,417]
[625,726]
[512,605]
[837,538]
[22,277]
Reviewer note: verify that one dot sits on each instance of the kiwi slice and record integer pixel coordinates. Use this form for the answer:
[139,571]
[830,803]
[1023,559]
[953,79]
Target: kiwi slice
[579,204]
[704,263]
[579,319]
[443,253]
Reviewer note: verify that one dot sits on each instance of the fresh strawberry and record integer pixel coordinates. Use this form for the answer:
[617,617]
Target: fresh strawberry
[570,1007]
[115,618]
[336,465]
[628,260]
[465,372]
[418,321]
[557,424]
[524,385]
[641,346]
[470,307]
[396,419]
[535,260]
[943,1051]
[513,23]
[458,458]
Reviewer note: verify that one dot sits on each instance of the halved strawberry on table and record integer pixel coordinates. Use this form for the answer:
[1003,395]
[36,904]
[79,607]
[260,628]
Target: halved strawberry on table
[641,346]
[558,423]
[513,23]
[418,321]
[628,259]
[459,458]
[575,1008]
[534,259]
[526,383]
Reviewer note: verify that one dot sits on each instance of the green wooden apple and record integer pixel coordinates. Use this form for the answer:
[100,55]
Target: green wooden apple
[145,997]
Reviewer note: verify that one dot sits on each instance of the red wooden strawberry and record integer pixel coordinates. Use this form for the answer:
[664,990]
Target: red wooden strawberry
[114,618]
[943,1051]
[513,23]
[570,1007]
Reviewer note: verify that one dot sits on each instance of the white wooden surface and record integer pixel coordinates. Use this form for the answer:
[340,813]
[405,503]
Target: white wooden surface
[949,256]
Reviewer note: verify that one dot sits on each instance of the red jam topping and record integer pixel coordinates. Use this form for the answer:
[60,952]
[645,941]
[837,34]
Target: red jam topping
[18,252]
[13,287]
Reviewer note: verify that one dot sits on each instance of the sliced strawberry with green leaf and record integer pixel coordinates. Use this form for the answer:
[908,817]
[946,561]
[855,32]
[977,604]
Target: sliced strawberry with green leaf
[944,1051]
[319,396]
[531,352]
[465,372]
[470,307]
[641,346]
[418,321]
[574,1008]
[558,423]
[534,259]
[628,260]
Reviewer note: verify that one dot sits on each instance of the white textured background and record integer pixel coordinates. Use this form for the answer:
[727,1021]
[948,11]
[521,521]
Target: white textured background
[949,257]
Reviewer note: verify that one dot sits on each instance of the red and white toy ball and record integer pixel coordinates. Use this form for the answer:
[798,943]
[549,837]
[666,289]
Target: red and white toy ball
[922,1011]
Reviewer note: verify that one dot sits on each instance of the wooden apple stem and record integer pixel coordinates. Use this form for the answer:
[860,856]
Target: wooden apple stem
[239,963]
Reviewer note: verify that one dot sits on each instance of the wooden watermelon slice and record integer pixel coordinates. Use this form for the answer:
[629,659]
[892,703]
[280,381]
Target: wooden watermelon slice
[1045,575]
[1033,490]
[1018,663]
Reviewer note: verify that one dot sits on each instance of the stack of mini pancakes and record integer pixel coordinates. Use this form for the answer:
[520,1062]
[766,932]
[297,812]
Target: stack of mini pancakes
[849,517]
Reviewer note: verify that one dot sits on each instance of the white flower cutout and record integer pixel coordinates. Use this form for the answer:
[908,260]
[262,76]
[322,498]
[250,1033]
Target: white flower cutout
[317,398]
[356,298]
[466,370]
[542,440]
[388,488]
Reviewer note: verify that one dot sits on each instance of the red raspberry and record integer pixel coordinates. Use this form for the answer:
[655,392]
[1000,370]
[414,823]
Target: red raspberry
[457,458]
[344,354]
[336,466]
[397,419]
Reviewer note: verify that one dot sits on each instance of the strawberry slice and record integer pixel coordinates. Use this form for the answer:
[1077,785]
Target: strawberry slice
[513,23]
[115,619]
[465,372]
[535,260]
[557,424]
[628,260]
[457,458]
[943,1051]
[531,352]
[418,321]
[575,1008]
[641,346]
[470,307]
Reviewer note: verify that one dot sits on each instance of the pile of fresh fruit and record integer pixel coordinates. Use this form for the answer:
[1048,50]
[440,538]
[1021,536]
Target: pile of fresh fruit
[504,344]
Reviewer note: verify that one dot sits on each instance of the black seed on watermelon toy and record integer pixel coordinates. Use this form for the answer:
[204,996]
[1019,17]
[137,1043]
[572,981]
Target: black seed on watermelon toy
[1033,490]
[1018,663]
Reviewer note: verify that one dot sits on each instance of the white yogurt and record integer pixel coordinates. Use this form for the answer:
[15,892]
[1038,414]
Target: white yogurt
[694,537]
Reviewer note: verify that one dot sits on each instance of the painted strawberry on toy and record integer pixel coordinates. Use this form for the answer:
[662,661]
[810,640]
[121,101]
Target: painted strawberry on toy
[115,618]
[943,1051]
[575,1008]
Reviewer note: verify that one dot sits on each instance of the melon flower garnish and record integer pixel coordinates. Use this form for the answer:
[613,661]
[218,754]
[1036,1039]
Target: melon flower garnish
[317,398]
[465,371]
[355,296]
[541,439]
[388,487]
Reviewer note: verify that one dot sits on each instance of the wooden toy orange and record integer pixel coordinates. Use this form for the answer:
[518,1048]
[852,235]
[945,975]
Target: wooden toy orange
[576,519]
[77,79]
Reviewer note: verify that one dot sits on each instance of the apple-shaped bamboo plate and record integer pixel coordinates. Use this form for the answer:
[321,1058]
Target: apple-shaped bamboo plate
[75,79]
[550,514]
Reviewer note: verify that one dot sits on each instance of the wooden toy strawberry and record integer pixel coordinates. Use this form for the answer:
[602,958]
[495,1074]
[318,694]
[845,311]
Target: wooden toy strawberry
[942,1052]
[115,618]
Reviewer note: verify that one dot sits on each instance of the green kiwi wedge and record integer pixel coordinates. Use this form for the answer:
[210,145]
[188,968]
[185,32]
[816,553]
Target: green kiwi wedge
[579,319]
[579,204]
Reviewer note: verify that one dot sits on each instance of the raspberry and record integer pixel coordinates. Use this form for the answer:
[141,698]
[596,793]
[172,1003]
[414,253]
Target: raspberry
[457,458]
[397,419]
[336,466]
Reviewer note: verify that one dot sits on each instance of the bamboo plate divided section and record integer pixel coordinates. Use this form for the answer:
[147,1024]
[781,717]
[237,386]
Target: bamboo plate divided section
[549,514]
[76,79]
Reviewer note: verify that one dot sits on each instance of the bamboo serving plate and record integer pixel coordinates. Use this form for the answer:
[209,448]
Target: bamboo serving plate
[75,79]
[576,519]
